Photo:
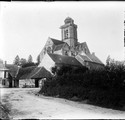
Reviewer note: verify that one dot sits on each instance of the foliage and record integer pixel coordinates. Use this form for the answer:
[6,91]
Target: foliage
[105,87]
[16,61]
[108,60]
[38,59]
[30,59]
[28,64]
[67,69]
[23,61]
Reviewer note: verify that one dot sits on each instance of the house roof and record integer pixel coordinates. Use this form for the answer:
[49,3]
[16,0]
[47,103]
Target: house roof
[33,72]
[67,60]
[94,58]
[42,73]
[58,47]
[12,69]
[85,46]
[81,43]
[90,58]
[85,58]
[25,73]
[57,42]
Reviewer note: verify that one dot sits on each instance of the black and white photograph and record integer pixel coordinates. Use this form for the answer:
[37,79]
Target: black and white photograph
[62,60]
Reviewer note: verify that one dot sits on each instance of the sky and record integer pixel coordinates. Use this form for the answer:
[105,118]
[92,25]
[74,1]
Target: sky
[26,26]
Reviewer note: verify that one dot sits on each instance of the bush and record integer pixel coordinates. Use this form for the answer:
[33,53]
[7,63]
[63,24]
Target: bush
[28,65]
[104,87]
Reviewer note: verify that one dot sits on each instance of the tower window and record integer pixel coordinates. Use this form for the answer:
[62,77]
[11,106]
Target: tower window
[66,34]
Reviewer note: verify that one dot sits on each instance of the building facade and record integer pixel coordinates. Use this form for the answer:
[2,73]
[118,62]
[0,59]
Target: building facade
[3,74]
[69,46]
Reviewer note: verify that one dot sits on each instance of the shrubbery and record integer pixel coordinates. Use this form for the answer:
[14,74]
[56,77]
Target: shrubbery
[104,87]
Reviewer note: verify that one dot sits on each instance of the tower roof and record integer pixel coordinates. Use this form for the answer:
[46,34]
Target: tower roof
[68,20]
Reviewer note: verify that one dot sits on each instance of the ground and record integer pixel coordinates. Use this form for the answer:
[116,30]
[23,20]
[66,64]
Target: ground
[24,103]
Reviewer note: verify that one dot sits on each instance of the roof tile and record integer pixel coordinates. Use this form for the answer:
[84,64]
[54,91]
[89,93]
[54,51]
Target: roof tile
[42,73]
[57,42]
[68,60]
[12,69]
[94,58]
[85,58]
[58,47]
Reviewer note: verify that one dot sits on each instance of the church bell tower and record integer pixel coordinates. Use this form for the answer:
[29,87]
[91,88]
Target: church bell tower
[69,32]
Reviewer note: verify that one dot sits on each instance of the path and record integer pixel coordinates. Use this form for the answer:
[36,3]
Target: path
[23,103]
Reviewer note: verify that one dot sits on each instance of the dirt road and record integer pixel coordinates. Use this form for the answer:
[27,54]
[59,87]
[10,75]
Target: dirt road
[23,103]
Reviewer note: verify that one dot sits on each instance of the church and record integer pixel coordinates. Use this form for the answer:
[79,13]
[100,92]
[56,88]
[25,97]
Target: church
[68,51]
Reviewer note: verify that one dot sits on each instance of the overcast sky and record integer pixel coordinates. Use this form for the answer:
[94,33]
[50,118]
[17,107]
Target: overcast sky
[26,26]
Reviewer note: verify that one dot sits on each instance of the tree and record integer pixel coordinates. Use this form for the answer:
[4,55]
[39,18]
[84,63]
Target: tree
[30,59]
[38,59]
[28,65]
[23,61]
[108,60]
[17,60]
[54,70]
